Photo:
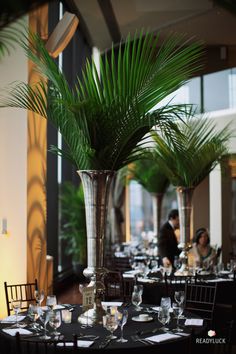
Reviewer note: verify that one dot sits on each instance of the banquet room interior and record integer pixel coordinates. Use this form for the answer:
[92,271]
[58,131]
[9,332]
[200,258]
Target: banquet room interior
[91,235]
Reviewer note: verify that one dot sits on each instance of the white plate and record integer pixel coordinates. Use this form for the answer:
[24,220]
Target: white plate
[138,319]
[204,272]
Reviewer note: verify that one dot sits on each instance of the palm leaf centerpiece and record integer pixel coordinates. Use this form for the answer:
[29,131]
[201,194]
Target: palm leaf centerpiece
[148,173]
[187,156]
[103,117]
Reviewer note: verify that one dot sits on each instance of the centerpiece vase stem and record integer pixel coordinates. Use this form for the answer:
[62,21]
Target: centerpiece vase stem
[96,186]
[184,197]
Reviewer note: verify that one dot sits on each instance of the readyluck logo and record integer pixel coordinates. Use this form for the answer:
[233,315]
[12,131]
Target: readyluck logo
[211,333]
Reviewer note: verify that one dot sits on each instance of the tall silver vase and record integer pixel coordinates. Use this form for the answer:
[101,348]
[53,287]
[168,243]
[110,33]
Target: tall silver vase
[157,199]
[96,186]
[184,197]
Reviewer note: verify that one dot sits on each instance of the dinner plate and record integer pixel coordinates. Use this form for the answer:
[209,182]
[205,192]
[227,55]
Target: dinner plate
[225,272]
[204,272]
[138,319]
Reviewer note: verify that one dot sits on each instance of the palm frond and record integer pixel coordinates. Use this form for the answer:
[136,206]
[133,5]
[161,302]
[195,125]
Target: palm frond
[190,153]
[103,118]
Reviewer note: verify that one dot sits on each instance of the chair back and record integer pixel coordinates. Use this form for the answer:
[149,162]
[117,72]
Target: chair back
[31,346]
[200,299]
[175,283]
[113,282]
[25,292]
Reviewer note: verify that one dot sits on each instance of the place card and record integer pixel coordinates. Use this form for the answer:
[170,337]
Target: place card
[162,337]
[87,298]
[193,322]
[80,343]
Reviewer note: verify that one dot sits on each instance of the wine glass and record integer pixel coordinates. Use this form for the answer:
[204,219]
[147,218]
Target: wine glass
[16,306]
[39,296]
[33,313]
[136,298]
[44,317]
[177,310]
[82,286]
[165,302]
[110,323]
[164,317]
[179,298]
[55,321]
[122,317]
[51,301]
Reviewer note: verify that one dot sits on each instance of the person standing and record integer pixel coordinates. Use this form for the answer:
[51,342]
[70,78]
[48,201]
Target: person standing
[167,243]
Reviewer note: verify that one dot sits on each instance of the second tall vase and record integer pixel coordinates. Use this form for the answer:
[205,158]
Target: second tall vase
[96,185]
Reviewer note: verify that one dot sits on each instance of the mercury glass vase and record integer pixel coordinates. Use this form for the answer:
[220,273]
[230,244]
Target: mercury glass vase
[184,197]
[157,199]
[96,186]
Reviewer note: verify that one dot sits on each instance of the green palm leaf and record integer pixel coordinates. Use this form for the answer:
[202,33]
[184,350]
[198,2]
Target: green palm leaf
[190,153]
[103,118]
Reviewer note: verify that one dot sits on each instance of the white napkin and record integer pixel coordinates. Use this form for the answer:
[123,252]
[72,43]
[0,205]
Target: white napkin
[218,280]
[57,307]
[128,276]
[111,303]
[13,331]
[12,319]
[146,280]
[193,322]
[157,308]
[80,343]
[134,271]
[162,337]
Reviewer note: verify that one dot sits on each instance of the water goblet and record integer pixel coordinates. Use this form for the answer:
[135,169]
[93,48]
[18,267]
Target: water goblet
[177,310]
[34,313]
[55,321]
[164,317]
[51,301]
[110,323]
[179,298]
[122,317]
[136,298]
[44,317]
[16,306]
[165,302]
[39,296]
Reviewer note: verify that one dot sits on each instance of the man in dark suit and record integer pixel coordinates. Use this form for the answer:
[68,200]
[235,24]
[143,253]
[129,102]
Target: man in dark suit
[167,243]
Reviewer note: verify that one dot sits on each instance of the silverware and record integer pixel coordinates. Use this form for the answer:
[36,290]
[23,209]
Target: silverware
[105,344]
[136,338]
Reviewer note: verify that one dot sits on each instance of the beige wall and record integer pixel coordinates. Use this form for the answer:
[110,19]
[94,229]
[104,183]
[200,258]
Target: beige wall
[13,181]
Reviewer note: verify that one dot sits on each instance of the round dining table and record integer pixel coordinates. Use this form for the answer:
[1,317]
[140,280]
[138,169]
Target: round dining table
[134,331]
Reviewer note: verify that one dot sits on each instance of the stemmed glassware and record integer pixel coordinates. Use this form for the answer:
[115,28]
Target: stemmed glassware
[39,296]
[110,322]
[34,314]
[179,298]
[177,310]
[16,306]
[164,317]
[165,302]
[44,316]
[122,317]
[136,298]
[55,321]
[51,301]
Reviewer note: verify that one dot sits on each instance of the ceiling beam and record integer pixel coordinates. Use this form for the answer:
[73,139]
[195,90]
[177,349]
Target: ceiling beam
[110,19]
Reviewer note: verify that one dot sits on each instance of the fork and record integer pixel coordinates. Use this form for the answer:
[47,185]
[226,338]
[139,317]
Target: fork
[136,338]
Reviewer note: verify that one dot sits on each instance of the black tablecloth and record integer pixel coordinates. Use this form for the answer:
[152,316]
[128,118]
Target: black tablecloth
[7,342]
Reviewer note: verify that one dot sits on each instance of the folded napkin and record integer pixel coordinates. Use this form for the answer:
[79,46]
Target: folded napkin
[157,308]
[111,303]
[80,343]
[134,271]
[128,276]
[13,331]
[193,322]
[162,337]
[57,307]
[146,280]
[218,280]
[12,319]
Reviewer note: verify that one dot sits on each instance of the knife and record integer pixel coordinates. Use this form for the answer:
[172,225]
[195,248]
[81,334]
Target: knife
[104,344]
[148,331]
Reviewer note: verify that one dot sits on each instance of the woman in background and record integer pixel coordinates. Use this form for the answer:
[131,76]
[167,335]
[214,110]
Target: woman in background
[202,254]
